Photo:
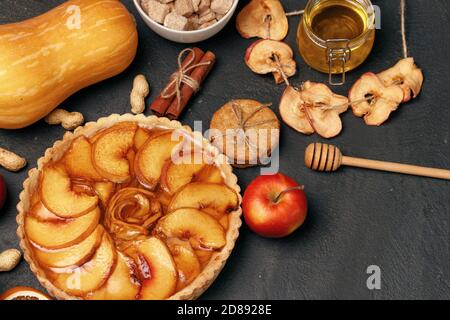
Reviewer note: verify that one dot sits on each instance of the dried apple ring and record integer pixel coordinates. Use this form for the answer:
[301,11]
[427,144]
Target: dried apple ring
[371,99]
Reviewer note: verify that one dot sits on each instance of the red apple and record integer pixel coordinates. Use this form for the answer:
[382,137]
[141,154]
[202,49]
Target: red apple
[2,192]
[274,205]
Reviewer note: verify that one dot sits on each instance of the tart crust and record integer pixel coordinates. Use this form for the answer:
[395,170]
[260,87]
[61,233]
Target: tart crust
[218,259]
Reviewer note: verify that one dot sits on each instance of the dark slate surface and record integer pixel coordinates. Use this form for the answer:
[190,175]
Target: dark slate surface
[357,218]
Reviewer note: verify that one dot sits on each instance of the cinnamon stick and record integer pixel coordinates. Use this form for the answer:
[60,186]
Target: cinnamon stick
[199,74]
[160,105]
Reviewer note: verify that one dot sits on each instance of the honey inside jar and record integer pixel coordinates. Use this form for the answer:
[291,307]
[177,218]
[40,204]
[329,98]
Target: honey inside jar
[336,36]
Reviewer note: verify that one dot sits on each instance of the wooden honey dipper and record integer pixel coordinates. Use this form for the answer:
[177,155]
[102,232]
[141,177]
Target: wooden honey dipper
[328,158]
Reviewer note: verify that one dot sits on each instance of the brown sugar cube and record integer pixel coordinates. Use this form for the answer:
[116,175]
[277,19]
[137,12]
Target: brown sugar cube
[190,26]
[204,5]
[206,17]
[184,7]
[155,10]
[195,4]
[193,22]
[219,16]
[207,24]
[204,13]
[175,21]
[221,6]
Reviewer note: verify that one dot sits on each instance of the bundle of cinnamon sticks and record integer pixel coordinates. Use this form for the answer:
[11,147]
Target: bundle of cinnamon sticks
[193,69]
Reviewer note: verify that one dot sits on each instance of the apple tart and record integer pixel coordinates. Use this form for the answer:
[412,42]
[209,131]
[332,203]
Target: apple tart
[129,207]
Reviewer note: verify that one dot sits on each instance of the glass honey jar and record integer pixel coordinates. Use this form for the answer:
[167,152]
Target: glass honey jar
[336,36]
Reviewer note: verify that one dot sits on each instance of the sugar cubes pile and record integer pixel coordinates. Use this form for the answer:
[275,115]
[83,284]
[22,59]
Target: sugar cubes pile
[186,14]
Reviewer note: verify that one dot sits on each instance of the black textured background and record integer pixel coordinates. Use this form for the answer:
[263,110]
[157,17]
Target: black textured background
[357,218]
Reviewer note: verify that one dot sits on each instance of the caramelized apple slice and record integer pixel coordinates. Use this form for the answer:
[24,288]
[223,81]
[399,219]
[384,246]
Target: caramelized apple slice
[121,125]
[55,233]
[91,275]
[224,221]
[78,160]
[176,175]
[158,269]
[152,156]
[141,137]
[195,225]
[104,191]
[110,150]
[58,197]
[209,173]
[187,263]
[203,256]
[122,284]
[203,195]
[72,256]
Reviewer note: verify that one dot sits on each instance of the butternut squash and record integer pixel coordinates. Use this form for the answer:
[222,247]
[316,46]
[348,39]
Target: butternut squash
[46,59]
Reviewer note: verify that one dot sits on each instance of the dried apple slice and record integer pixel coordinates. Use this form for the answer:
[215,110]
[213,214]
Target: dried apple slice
[91,275]
[371,99]
[59,198]
[186,261]
[152,157]
[158,270]
[263,19]
[194,225]
[313,109]
[110,151]
[204,195]
[176,175]
[406,75]
[78,160]
[123,283]
[71,256]
[55,233]
[269,56]
[291,112]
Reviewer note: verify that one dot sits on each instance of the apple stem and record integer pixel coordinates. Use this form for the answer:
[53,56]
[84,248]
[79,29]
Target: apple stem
[277,198]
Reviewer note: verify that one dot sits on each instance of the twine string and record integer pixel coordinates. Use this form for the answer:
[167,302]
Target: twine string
[280,69]
[267,20]
[295,13]
[326,107]
[403,28]
[243,123]
[305,107]
[305,110]
[237,110]
[181,76]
